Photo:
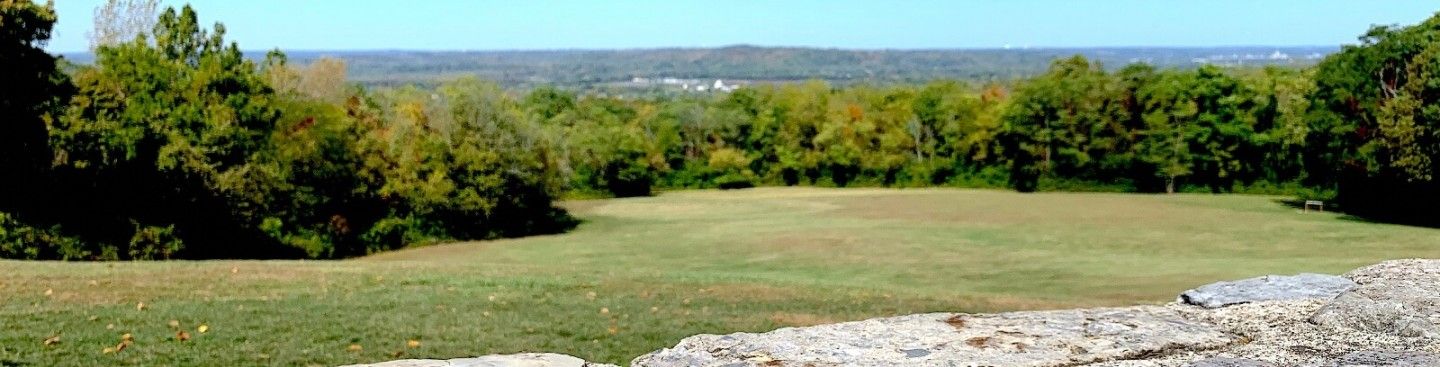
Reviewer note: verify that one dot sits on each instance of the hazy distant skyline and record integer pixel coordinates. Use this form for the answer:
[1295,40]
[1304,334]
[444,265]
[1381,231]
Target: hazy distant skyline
[573,24]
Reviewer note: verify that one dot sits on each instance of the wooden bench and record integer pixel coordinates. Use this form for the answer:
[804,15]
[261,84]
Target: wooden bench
[1319,205]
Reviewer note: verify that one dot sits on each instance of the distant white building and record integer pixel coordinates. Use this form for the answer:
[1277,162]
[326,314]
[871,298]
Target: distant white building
[720,86]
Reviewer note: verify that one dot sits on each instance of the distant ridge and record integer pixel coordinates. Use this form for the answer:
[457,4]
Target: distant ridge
[596,68]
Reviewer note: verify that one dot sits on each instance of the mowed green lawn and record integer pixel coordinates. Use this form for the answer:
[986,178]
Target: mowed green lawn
[642,273]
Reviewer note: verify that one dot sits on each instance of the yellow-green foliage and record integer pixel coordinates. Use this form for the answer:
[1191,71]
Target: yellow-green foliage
[178,146]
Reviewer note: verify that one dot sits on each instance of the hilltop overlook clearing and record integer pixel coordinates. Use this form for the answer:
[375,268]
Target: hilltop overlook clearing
[641,273]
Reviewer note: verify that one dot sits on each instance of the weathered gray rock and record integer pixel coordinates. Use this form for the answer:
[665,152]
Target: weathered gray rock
[1388,358]
[1399,297]
[509,360]
[1044,338]
[1267,288]
[1230,362]
[1264,322]
[1279,332]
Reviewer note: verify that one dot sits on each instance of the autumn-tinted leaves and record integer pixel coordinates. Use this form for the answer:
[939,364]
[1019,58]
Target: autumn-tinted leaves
[181,147]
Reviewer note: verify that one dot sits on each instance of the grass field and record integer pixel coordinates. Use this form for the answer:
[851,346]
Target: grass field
[642,273]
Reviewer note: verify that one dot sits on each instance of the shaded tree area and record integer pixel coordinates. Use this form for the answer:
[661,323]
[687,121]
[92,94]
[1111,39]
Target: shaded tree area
[1375,120]
[174,145]
[1157,130]
[32,93]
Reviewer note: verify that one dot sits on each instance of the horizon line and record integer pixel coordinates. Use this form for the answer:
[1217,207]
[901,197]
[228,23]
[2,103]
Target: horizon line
[664,48]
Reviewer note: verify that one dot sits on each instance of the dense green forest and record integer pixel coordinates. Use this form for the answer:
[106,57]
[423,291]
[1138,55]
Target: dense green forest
[173,144]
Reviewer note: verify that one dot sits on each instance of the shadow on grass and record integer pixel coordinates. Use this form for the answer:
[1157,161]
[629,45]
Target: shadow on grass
[10,363]
[1300,204]
[1423,221]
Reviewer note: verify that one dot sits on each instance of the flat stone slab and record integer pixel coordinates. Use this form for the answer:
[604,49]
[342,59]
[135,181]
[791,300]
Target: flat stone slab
[508,360]
[1267,288]
[1039,338]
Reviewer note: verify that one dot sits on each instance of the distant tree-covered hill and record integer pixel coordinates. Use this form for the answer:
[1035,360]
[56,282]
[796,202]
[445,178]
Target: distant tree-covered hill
[583,69]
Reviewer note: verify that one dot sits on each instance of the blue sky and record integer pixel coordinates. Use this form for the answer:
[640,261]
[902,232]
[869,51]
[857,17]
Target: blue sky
[538,24]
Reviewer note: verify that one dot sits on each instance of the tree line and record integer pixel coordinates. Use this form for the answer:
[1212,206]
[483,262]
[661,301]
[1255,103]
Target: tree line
[172,144]
[1076,126]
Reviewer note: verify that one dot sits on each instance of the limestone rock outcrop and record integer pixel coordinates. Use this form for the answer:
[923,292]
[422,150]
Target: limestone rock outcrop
[1047,338]
[1382,315]
[1396,297]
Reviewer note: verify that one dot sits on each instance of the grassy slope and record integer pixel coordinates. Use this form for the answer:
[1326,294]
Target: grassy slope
[642,273]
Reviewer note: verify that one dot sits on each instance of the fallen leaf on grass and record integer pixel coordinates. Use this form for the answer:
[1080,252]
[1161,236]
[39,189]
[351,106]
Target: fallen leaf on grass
[140,306]
[355,348]
[127,337]
[182,335]
[203,328]
[52,340]
[174,323]
[121,346]
[49,292]
[413,343]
